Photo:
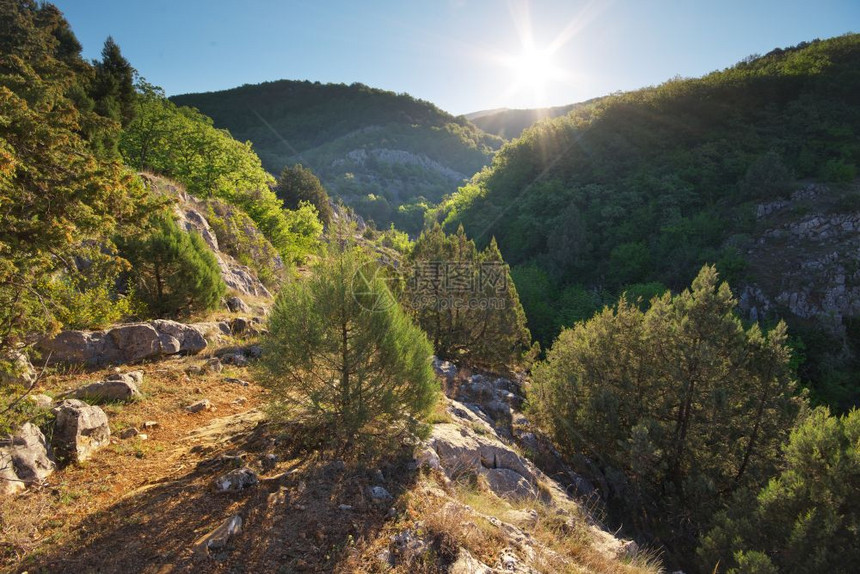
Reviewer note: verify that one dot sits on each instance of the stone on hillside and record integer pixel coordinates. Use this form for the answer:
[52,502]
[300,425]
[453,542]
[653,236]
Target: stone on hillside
[468,564]
[191,340]
[119,388]
[240,326]
[80,430]
[444,369]
[41,401]
[202,405]
[218,538]
[507,483]
[235,359]
[236,305]
[130,432]
[236,480]
[379,495]
[80,347]
[136,341]
[214,365]
[27,460]
[16,369]
[426,456]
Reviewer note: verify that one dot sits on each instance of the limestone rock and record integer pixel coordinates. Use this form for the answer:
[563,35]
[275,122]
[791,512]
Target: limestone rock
[236,480]
[117,388]
[27,460]
[218,538]
[80,430]
[15,368]
[136,341]
[199,406]
[379,494]
[468,564]
[191,340]
[236,305]
[507,483]
[41,401]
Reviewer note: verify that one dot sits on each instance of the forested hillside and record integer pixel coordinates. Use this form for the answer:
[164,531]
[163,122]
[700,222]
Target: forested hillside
[388,155]
[510,124]
[635,191]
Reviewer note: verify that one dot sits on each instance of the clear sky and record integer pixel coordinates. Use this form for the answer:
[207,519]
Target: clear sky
[462,55]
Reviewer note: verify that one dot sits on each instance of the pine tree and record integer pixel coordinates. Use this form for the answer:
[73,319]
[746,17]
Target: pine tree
[113,85]
[343,358]
[466,301]
[808,517]
[681,400]
[173,271]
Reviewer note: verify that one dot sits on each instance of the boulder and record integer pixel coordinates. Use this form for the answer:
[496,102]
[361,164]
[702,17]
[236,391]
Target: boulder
[27,460]
[41,401]
[236,305]
[510,484]
[236,480]
[191,340]
[444,369]
[199,406]
[468,564]
[426,456]
[16,369]
[136,341]
[116,388]
[379,494]
[80,347]
[80,430]
[218,538]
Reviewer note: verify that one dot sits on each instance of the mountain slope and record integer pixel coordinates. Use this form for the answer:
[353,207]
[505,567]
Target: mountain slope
[510,124]
[375,149]
[638,190]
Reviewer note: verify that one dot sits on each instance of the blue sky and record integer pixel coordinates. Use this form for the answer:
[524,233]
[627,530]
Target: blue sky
[462,55]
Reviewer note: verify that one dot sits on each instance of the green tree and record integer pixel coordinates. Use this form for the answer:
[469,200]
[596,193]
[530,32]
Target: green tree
[681,400]
[60,202]
[113,85]
[173,271]
[343,358]
[807,518]
[297,184]
[466,300]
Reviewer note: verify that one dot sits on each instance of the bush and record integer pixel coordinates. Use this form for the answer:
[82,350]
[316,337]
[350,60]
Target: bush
[343,358]
[173,272]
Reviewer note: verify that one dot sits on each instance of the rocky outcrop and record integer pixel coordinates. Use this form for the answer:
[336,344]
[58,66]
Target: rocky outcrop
[25,460]
[236,480]
[116,387]
[124,343]
[80,430]
[218,538]
[240,278]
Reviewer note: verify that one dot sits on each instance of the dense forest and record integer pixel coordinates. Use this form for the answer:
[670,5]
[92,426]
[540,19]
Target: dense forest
[635,191]
[390,156]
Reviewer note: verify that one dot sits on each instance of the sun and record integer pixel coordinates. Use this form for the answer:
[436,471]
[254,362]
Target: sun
[534,68]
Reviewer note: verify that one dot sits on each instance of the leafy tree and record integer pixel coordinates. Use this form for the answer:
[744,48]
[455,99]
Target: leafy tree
[183,144]
[807,518]
[297,184]
[343,358]
[681,400]
[465,300]
[60,202]
[173,271]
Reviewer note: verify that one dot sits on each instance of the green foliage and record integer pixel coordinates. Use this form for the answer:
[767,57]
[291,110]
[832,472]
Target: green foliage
[807,518]
[680,399]
[173,271]
[648,186]
[359,141]
[183,144]
[343,358]
[59,197]
[466,300]
[298,184]
[239,237]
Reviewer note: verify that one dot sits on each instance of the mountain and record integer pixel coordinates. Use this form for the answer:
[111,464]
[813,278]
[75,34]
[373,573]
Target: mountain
[388,155]
[510,124]
[752,168]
